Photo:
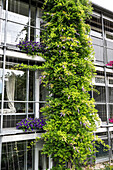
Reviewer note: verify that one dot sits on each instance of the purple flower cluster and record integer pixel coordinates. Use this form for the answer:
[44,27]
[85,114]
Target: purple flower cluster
[30,124]
[30,47]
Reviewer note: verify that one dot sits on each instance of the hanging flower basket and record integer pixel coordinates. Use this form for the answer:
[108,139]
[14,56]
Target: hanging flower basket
[30,124]
[32,48]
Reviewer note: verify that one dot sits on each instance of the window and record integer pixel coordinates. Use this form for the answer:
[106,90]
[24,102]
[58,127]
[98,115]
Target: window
[15,156]
[99,94]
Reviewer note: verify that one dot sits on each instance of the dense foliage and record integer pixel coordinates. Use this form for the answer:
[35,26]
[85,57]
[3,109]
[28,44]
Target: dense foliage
[30,124]
[68,70]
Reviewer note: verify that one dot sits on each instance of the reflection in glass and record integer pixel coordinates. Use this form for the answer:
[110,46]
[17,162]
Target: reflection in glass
[2,29]
[15,89]
[32,34]
[110,89]
[33,16]
[111,81]
[99,80]
[111,111]
[30,159]
[43,93]
[31,84]
[101,153]
[13,159]
[20,86]
[11,120]
[19,107]
[102,112]
[99,96]
[38,32]
[18,11]
[16,33]
[17,18]
[40,106]
[43,161]
[16,81]
[96,33]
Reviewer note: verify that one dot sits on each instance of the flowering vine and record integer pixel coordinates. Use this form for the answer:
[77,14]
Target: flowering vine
[68,71]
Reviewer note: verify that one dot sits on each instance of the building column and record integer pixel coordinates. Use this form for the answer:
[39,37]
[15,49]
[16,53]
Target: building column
[37,148]
[50,162]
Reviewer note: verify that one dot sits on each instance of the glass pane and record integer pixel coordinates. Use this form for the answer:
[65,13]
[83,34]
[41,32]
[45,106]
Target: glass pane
[1,84]
[2,29]
[18,11]
[30,159]
[16,33]
[111,81]
[38,32]
[33,16]
[11,120]
[43,93]
[98,49]
[110,89]
[102,112]
[96,26]
[15,85]
[111,111]
[99,80]
[30,107]
[96,33]
[109,51]
[100,95]
[109,36]
[40,106]
[18,107]
[43,161]
[31,85]
[101,152]
[13,159]
[33,34]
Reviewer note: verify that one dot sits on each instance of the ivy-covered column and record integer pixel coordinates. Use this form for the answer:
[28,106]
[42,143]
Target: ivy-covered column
[70,112]
[69,69]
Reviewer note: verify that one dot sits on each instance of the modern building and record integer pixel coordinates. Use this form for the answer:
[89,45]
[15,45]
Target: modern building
[102,38]
[21,94]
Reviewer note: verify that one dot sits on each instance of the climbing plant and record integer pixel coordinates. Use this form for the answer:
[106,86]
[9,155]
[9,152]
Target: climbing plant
[68,72]
[68,69]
